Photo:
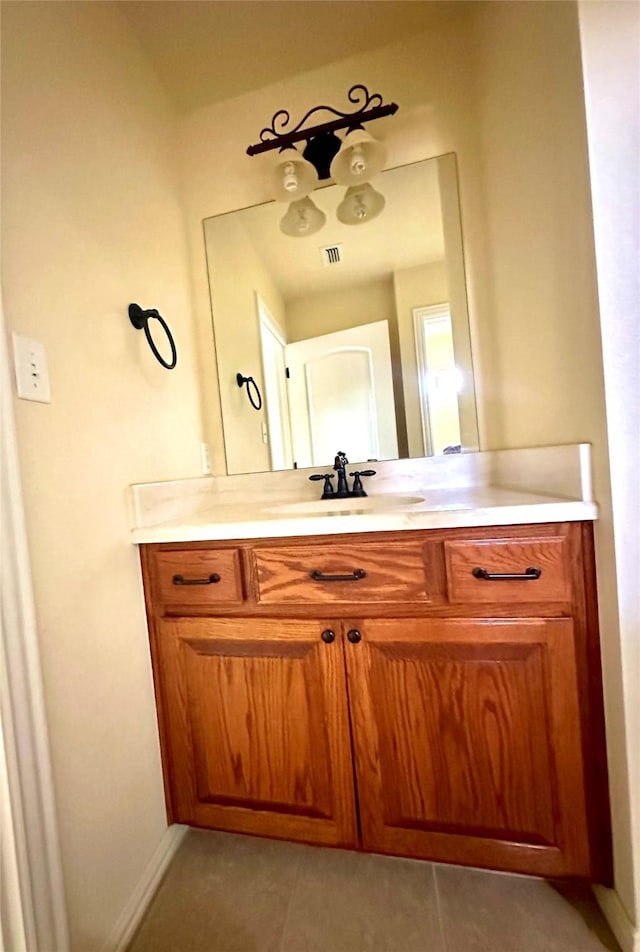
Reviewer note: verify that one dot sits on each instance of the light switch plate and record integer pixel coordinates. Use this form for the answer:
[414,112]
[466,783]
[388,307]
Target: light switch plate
[32,373]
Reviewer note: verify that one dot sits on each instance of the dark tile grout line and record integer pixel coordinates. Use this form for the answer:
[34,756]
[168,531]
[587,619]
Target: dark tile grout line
[292,895]
[436,886]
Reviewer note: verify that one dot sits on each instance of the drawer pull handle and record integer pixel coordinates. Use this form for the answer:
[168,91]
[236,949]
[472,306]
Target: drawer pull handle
[328,636]
[529,575]
[210,580]
[354,636]
[318,576]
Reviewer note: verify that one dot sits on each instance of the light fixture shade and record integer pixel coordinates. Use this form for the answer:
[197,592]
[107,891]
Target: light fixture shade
[360,204]
[302,218]
[359,159]
[292,176]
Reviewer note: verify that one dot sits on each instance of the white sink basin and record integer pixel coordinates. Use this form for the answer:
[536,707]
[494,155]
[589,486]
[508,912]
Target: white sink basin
[326,507]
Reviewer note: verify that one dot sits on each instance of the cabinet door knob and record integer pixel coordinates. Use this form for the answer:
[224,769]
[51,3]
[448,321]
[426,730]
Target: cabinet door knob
[354,636]
[328,636]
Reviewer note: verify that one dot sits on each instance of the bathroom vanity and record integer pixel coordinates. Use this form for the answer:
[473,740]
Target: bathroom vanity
[430,692]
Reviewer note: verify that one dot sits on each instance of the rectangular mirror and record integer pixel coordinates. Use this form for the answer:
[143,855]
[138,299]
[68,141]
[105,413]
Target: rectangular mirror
[356,337]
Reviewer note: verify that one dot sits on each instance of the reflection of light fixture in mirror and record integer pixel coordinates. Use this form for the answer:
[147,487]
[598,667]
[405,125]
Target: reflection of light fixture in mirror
[359,159]
[360,204]
[292,177]
[302,218]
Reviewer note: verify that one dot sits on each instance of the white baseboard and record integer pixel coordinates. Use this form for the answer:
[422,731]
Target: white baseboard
[616,915]
[144,892]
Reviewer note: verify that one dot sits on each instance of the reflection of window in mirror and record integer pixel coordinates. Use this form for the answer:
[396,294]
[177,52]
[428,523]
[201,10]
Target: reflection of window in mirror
[438,378]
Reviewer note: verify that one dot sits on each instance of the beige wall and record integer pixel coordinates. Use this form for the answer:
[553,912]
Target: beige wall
[237,276]
[91,221]
[610,35]
[538,233]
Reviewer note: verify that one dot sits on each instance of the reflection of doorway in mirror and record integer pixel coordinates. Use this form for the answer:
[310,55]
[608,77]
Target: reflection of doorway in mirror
[438,379]
[341,396]
[278,433]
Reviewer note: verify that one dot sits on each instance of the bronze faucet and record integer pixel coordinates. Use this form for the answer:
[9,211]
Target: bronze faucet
[343,491]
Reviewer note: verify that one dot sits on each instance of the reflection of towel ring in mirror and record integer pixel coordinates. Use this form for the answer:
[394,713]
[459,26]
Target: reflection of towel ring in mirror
[250,383]
[140,320]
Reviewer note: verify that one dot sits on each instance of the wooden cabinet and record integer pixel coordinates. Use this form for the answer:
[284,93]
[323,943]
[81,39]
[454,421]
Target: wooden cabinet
[467,742]
[258,728]
[395,692]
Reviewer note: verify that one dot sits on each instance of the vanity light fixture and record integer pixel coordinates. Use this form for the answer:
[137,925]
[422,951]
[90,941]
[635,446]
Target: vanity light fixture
[350,162]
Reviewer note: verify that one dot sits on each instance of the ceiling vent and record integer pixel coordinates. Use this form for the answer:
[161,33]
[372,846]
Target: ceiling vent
[331,254]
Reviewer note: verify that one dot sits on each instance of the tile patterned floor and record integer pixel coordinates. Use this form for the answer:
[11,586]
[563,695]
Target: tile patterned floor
[228,893]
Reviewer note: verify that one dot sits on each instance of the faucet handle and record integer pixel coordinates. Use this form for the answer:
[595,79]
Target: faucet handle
[357,482]
[328,489]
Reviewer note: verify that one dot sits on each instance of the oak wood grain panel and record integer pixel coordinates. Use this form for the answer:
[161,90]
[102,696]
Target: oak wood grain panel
[481,770]
[259,735]
[395,571]
[195,564]
[467,733]
[550,555]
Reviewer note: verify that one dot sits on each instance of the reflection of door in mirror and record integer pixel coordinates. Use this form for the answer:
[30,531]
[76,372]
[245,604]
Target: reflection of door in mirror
[272,342]
[438,379]
[341,396]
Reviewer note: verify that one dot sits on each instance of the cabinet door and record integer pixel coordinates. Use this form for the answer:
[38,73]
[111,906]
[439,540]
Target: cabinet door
[467,742]
[256,728]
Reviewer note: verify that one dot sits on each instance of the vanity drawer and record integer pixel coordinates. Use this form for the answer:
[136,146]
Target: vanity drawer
[197,578]
[483,570]
[336,572]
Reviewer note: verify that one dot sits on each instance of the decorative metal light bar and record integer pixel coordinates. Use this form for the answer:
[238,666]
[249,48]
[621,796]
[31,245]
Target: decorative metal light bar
[351,161]
[370,107]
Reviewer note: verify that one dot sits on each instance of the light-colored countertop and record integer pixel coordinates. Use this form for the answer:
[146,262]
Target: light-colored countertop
[459,507]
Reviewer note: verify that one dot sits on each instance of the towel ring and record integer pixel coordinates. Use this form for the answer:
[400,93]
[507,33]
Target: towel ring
[250,383]
[140,320]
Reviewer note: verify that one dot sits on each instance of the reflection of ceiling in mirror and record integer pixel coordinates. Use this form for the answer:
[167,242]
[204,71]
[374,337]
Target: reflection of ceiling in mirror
[407,232]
